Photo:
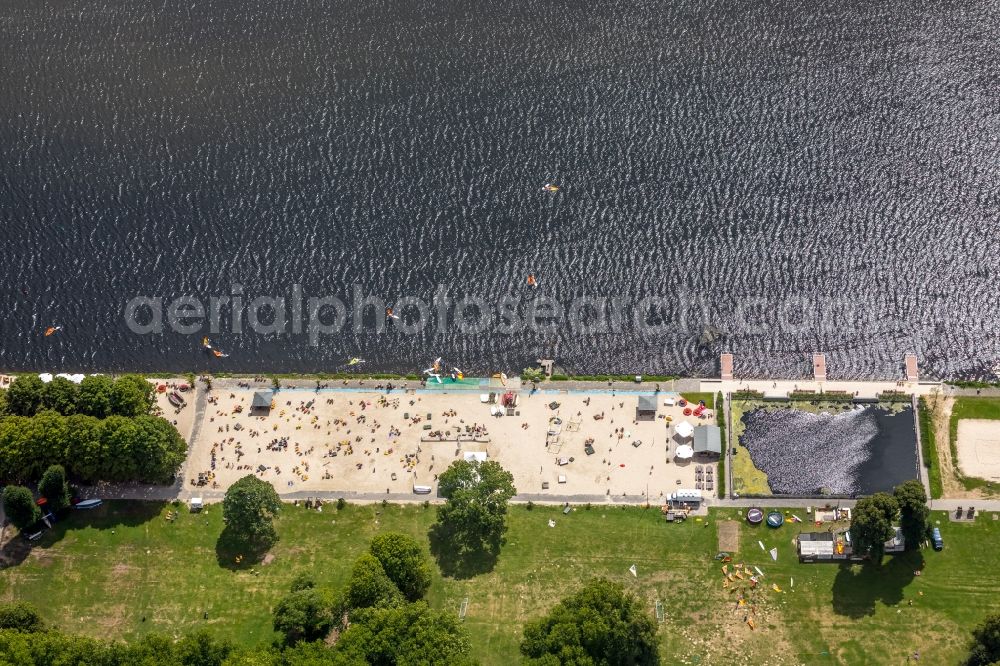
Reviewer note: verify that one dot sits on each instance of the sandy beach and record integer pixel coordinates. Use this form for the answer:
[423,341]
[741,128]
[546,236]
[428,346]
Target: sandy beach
[378,442]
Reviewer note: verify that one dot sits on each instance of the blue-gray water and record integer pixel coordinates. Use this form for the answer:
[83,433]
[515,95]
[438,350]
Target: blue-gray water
[798,176]
[850,451]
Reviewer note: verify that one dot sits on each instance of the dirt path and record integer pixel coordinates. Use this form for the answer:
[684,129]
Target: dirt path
[953,488]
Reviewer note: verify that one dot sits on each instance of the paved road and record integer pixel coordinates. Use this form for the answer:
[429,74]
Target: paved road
[952,504]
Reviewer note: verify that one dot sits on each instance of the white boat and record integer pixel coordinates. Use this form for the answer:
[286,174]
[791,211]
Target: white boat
[89,504]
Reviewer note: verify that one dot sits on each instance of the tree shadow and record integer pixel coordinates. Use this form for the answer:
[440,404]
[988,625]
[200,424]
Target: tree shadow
[457,559]
[237,554]
[110,515]
[858,587]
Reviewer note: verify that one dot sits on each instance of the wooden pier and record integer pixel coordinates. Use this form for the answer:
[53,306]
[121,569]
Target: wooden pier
[819,367]
[726,364]
[912,372]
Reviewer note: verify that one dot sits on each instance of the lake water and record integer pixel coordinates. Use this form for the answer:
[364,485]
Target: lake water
[780,177]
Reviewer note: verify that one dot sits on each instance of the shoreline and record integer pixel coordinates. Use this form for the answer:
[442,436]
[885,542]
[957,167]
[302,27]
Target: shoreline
[557,380]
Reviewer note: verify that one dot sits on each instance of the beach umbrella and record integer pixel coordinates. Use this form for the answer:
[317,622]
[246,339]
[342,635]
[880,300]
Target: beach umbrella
[46,377]
[684,452]
[684,429]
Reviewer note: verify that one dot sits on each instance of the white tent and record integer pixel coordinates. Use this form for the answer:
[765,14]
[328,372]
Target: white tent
[684,452]
[46,377]
[76,379]
[684,429]
[476,455]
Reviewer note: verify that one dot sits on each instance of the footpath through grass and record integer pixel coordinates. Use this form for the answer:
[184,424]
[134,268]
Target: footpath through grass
[100,573]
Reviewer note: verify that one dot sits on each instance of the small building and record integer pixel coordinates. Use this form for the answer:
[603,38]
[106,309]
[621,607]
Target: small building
[197,504]
[708,440]
[685,497]
[646,411]
[837,547]
[819,546]
[897,544]
[261,404]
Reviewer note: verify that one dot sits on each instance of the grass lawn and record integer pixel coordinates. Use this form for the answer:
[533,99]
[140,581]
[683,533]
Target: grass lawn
[971,408]
[747,479]
[101,572]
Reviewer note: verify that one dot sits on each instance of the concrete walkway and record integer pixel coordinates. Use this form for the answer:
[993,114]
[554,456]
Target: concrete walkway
[953,504]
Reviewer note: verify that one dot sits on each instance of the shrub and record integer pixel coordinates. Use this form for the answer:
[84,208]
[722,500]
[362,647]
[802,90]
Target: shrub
[20,616]
[404,562]
[19,505]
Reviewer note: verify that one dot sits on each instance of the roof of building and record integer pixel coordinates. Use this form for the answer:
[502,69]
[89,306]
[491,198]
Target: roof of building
[262,399]
[707,439]
[816,536]
[647,403]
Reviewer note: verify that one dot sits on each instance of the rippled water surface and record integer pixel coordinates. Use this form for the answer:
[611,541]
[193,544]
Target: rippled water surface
[786,177]
[858,450]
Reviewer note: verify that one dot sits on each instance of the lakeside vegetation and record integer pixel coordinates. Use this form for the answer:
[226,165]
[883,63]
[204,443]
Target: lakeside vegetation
[720,419]
[125,571]
[929,451]
[99,430]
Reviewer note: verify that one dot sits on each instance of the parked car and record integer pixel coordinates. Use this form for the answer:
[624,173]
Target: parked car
[936,539]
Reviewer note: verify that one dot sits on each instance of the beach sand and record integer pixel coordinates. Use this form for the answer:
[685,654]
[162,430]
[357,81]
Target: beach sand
[377,443]
[182,418]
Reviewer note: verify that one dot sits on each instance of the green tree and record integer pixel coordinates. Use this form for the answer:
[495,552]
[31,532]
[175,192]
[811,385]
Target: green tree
[984,649]
[44,441]
[60,395]
[16,450]
[249,509]
[914,514]
[302,581]
[19,505]
[370,586]
[158,451]
[131,395]
[317,654]
[406,634]
[24,397]
[404,563]
[4,411]
[600,624]
[471,525]
[119,436]
[303,615]
[94,397]
[85,455]
[54,489]
[20,616]
[871,525]
[202,649]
